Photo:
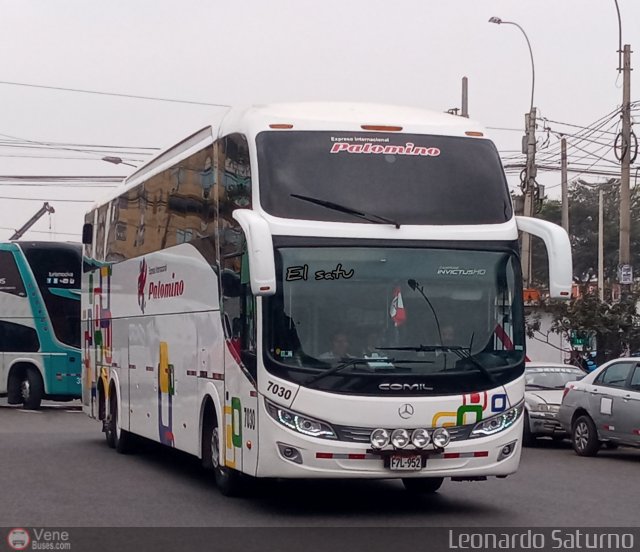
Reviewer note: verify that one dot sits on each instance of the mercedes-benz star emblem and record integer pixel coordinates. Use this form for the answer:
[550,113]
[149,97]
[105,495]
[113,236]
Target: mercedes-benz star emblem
[406,411]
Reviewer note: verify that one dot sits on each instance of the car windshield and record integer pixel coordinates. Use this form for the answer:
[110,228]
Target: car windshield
[550,377]
[353,319]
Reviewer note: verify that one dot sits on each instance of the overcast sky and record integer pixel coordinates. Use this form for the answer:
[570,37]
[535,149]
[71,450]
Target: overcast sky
[412,52]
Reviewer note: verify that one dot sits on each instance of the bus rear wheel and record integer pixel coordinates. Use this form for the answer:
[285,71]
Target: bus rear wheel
[422,485]
[31,388]
[228,481]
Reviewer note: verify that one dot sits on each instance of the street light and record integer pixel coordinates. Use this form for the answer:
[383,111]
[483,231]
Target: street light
[499,21]
[116,161]
[529,186]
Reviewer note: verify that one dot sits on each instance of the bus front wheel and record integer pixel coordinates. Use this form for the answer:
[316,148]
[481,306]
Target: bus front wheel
[31,388]
[228,481]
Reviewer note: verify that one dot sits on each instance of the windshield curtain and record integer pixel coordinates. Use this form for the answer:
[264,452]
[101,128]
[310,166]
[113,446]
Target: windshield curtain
[406,178]
[451,320]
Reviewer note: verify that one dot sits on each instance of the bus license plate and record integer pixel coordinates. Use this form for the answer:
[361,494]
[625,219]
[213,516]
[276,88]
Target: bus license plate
[405,463]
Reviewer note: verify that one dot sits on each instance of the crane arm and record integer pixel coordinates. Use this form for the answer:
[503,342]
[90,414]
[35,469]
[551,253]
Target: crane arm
[46,208]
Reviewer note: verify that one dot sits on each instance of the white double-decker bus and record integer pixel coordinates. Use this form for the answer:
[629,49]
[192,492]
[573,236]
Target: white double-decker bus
[316,290]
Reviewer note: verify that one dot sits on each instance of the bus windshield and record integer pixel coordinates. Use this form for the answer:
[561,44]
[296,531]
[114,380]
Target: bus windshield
[400,178]
[380,320]
[57,269]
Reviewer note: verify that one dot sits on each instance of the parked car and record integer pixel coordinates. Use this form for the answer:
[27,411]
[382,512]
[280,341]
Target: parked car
[544,385]
[604,407]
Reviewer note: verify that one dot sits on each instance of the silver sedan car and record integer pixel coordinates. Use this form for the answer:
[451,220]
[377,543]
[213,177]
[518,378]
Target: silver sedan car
[604,407]
[544,385]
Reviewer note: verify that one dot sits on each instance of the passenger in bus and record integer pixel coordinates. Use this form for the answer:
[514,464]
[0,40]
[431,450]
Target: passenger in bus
[373,341]
[339,347]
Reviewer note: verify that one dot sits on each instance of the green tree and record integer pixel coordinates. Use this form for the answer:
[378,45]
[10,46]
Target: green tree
[583,231]
[616,326]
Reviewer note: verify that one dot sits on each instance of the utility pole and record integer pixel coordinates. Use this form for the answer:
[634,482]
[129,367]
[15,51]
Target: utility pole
[565,188]
[601,244]
[465,98]
[529,186]
[626,271]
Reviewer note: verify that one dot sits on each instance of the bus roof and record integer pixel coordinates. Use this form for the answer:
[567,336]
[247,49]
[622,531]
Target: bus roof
[346,116]
[337,116]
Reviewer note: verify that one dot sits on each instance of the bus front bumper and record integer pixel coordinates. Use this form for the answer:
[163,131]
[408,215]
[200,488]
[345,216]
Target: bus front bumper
[288,454]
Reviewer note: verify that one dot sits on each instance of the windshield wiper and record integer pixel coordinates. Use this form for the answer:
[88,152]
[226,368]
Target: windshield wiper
[425,348]
[463,353]
[376,219]
[349,362]
[538,386]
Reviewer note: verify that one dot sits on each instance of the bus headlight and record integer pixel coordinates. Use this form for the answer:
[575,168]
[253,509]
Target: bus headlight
[300,423]
[380,438]
[400,438]
[420,438]
[441,437]
[498,423]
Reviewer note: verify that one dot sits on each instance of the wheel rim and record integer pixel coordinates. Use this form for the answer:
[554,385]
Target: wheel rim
[581,435]
[25,390]
[215,449]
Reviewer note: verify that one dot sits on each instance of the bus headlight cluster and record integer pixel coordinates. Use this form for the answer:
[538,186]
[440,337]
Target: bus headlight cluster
[401,438]
[498,423]
[298,422]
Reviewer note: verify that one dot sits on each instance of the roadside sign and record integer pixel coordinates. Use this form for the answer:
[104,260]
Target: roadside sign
[625,274]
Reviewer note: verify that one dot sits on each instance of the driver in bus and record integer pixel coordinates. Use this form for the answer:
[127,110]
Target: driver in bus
[339,347]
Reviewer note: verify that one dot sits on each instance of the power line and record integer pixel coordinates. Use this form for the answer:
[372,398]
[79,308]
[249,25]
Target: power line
[44,231]
[57,200]
[101,93]
[73,144]
[62,178]
[59,148]
[62,157]
[504,128]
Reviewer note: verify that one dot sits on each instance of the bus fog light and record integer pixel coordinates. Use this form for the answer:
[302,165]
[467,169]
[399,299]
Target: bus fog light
[420,438]
[290,453]
[400,438]
[506,450]
[440,437]
[379,438]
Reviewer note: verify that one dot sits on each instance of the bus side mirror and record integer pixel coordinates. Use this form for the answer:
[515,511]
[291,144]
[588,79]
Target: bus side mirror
[87,234]
[558,247]
[262,271]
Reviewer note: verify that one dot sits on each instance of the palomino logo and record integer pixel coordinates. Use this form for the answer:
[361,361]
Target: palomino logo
[162,290]
[158,289]
[406,387]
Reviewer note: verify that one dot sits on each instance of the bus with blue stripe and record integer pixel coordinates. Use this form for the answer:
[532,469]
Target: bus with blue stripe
[39,322]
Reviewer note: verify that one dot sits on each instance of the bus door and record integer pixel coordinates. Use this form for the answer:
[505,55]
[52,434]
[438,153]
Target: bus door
[241,397]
